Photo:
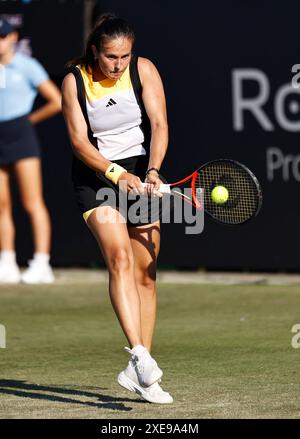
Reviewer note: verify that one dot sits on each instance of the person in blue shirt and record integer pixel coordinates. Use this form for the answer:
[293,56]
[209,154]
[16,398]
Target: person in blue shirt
[21,78]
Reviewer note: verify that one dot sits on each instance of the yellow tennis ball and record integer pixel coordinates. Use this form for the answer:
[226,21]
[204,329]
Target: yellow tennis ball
[219,194]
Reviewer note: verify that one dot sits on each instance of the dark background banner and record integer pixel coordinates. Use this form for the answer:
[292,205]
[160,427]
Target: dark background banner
[226,67]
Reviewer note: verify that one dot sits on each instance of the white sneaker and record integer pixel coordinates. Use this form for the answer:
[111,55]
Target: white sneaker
[154,393]
[145,366]
[9,273]
[38,273]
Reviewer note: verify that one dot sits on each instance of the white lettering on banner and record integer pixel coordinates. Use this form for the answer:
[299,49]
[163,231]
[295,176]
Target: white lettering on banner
[287,166]
[242,104]
[2,337]
[254,105]
[295,339]
[280,98]
[295,69]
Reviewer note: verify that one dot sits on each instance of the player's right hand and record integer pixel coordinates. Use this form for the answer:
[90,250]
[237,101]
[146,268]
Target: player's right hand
[130,183]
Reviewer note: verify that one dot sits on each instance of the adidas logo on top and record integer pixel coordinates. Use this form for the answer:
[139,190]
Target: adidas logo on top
[110,103]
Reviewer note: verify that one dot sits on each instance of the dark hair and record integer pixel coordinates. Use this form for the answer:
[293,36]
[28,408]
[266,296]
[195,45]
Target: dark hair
[108,26]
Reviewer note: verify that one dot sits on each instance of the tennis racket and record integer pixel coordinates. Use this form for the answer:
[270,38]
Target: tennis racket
[244,195]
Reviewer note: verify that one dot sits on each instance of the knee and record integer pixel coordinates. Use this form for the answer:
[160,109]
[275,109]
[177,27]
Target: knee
[120,261]
[147,279]
[33,207]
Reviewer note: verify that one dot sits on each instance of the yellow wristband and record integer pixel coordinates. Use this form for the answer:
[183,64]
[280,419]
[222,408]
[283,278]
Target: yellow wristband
[113,172]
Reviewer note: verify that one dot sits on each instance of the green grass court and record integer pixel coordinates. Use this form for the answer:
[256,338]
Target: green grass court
[225,350]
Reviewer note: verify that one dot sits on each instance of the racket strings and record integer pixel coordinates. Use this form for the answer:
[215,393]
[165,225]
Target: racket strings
[243,198]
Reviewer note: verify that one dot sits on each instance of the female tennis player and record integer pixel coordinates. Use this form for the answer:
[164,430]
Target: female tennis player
[110,148]
[21,78]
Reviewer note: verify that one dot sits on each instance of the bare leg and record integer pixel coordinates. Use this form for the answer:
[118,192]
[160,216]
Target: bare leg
[145,242]
[7,229]
[29,177]
[114,243]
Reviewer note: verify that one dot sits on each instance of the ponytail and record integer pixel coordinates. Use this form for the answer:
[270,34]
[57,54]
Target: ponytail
[107,27]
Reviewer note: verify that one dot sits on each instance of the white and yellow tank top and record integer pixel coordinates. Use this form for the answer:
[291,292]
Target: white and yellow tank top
[114,115]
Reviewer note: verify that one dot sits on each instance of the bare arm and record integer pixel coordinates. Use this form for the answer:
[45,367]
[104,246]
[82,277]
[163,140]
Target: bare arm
[77,128]
[155,105]
[51,93]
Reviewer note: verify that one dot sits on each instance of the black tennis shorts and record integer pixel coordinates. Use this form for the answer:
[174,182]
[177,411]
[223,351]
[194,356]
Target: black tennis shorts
[87,183]
[18,140]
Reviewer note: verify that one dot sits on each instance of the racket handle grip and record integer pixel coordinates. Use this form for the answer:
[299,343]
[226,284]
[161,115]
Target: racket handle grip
[163,188]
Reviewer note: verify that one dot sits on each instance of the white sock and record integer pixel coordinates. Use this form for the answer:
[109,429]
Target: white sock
[138,349]
[41,258]
[8,256]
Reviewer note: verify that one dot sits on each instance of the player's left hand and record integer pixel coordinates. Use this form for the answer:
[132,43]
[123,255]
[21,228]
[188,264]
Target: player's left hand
[154,182]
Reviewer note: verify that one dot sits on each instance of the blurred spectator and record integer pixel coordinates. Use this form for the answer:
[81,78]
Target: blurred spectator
[22,78]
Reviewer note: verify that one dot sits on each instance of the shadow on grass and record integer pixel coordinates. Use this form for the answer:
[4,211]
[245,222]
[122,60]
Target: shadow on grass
[26,390]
